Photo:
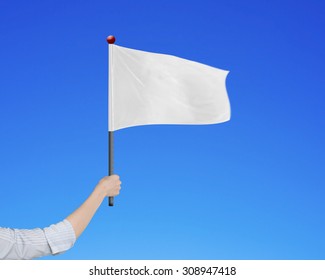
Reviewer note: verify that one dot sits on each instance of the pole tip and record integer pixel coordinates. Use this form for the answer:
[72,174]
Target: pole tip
[110,39]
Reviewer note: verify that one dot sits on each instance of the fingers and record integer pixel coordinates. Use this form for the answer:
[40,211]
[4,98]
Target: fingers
[111,185]
[114,178]
[118,186]
[115,192]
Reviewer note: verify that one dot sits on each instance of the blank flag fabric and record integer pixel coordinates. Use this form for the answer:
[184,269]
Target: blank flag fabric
[150,88]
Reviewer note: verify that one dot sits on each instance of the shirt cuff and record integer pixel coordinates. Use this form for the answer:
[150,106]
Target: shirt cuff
[60,237]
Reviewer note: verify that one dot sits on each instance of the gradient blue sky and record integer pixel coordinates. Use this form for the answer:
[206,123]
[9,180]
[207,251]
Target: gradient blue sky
[252,188]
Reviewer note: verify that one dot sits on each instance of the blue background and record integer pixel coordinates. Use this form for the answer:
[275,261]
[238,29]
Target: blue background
[251,188]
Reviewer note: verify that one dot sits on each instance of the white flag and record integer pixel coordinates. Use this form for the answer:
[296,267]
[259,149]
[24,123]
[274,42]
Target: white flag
[150,88]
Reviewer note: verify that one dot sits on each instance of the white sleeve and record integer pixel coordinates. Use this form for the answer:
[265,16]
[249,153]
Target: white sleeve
[22,244]
[60,237]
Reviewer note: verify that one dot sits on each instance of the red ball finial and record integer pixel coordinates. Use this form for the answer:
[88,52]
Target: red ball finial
[110,39]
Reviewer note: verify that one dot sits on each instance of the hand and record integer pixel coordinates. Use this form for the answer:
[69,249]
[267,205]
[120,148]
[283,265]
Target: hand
[109,185]
[80,218]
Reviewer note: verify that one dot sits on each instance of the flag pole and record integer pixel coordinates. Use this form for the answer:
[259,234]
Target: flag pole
[110,40]
[111,161]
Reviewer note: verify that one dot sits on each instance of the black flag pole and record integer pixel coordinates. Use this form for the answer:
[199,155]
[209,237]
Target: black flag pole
[111,161]
[110,40]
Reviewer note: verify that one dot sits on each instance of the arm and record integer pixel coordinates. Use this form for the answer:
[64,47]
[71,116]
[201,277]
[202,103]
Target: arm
[29,244]
[80,218]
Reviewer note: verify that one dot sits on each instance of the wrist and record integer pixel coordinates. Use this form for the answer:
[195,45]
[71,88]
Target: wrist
[99,192]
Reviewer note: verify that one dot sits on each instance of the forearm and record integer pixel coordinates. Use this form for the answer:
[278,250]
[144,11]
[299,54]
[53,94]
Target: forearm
[81,217]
